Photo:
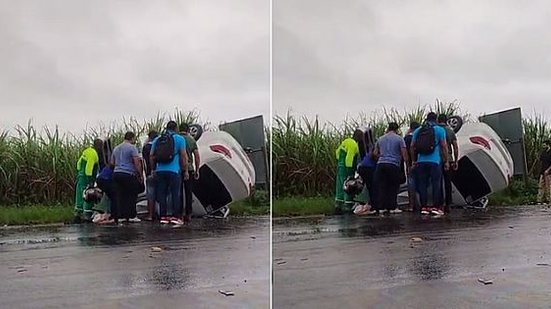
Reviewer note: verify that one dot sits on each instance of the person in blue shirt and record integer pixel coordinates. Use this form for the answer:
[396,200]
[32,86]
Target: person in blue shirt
[428,167]
[168,176]
[366,170]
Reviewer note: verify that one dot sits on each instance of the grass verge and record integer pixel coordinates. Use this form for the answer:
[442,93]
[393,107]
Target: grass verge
[246,209]
[303,206]
[38,214]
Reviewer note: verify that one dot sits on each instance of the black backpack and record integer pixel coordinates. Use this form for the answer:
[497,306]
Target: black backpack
[164,149]
[426,140]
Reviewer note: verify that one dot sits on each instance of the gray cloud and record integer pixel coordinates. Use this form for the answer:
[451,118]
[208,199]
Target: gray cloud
[332,59]
[120,58]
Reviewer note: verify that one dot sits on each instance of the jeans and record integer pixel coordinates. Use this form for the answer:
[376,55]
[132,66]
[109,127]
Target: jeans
[108,186]
[447,188]
[151,185]
[368,177]
[387,178]
[429,171]
[169,183]
[127,188]
[188,193]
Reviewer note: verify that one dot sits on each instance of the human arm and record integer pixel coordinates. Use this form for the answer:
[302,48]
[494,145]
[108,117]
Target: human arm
[152,160]
[183,157]
[197,158]
[138,164]
[405,156]
[455,154]
[444,150]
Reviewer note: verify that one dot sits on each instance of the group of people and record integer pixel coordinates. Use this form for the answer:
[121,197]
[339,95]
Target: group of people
[426,157]
[166,170]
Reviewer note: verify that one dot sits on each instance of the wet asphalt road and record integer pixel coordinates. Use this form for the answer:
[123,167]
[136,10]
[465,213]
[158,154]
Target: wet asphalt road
[106,267]
[350,262]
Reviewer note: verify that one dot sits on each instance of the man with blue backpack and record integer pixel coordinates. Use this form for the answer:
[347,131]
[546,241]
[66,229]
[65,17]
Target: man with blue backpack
[429,154]
[168,160]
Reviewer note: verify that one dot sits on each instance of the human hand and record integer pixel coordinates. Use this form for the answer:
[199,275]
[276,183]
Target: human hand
[196,175]
[186,175]
[447,166]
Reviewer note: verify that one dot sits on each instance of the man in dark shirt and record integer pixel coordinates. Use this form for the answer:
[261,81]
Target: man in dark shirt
[544,192]
[412,193]
[150,181]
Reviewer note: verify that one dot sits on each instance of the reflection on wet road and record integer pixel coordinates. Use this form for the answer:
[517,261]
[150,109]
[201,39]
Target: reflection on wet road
[411,262]
[139,265]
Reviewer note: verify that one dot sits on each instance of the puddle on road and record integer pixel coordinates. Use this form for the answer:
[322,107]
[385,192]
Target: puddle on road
[94,235]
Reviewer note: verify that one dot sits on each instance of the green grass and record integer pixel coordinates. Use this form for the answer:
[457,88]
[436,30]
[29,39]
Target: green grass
[303,206]
[37,214]
[246,209]
[518,193]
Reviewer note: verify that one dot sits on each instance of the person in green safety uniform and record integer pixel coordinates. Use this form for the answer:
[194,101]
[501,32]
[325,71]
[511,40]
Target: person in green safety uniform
[87,168]
[347,156]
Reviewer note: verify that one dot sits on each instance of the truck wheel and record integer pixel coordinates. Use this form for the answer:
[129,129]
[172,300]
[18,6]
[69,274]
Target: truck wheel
[196,130]
[455,122]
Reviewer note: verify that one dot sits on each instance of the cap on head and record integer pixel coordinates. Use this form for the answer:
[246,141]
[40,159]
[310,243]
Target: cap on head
[432,116]
[172,125]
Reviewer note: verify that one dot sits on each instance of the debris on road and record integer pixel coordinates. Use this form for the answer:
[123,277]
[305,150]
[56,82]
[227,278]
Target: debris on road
[253,237]
[543,264]
[21,270]
[156,249]
[304,259]
[226,293]
[416,239]
[485,281]
[281,262]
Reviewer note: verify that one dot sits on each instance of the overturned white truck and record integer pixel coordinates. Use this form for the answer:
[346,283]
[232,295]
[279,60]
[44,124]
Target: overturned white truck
[226,173]
[485,166]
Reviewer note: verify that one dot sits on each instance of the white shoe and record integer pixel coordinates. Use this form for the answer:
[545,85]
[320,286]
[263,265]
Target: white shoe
[134,220]
[396,211]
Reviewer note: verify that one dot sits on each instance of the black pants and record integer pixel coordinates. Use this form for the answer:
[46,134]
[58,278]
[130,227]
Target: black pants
[368,177]
[387,178]
[188,192]
[108,187]
[447,194]
[127,188]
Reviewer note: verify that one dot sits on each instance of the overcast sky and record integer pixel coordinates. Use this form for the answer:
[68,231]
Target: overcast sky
[331,59]
[74,63]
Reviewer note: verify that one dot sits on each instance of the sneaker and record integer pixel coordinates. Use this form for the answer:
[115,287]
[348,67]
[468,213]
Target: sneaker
[437,212]
[396,211]
[165,220]
[134,220]
[425,211]
[176,221]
